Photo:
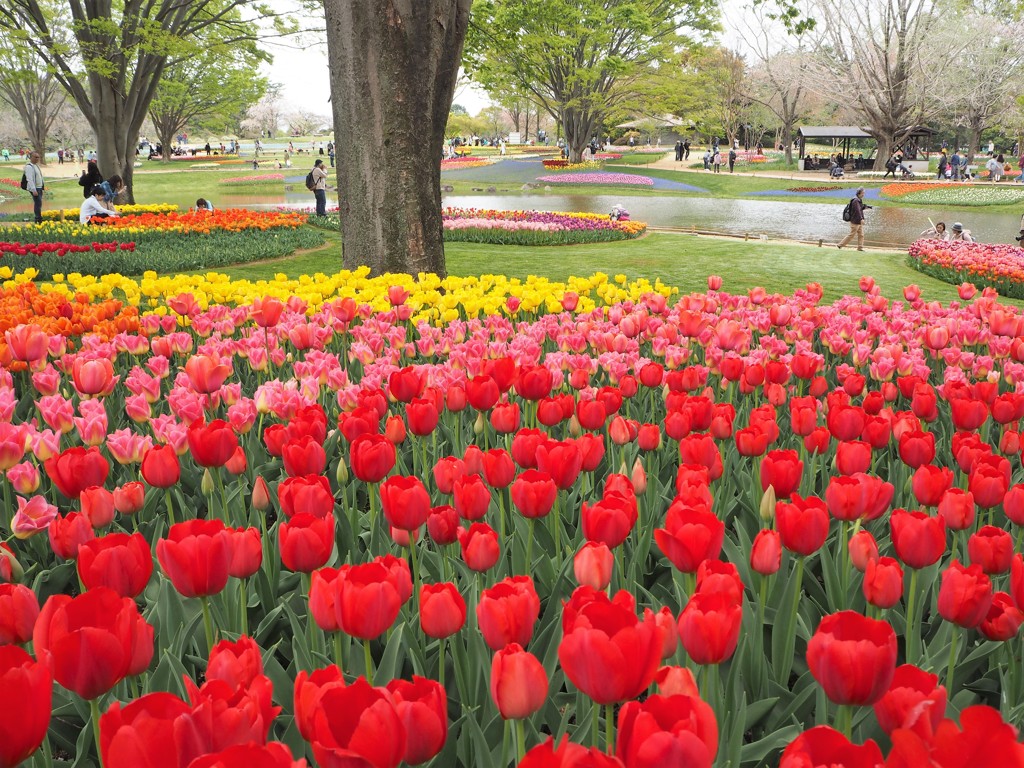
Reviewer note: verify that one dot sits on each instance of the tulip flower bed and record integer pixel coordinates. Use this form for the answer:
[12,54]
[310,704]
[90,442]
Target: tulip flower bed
[258,180]
[535,227]
[54,214]
[565,165]
[958,194]
[619,529]
[598,178]
[993,265]
[175,241]
[455,163]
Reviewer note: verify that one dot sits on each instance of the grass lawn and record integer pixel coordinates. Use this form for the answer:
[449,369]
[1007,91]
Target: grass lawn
[680,260]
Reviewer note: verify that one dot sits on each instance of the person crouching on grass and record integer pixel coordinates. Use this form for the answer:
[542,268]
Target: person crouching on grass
[96,207]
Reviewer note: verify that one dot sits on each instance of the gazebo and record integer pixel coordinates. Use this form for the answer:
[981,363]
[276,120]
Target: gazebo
[843,133]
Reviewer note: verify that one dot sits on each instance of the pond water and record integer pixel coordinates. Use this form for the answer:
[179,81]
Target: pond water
[888,226]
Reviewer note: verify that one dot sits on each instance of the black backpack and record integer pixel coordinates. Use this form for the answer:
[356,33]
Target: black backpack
[848,212]
[24,182]
[310,184]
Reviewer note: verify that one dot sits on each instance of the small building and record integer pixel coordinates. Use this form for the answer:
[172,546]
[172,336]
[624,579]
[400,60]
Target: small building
[911,143]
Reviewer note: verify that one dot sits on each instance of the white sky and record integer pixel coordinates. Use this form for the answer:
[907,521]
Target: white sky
[300,66]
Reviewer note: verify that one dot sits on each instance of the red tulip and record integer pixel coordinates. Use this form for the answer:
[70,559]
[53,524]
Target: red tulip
[609,520]
[246,552]
[533,493]
[561,460]
[369,602]
[919,540]
[480,548]
[274,754]
[446,471]
[853,457]
[160,467]
[930,484]
[519,682]
[266,311]
[567,755]
[505,418]
[956,508]
[372,457]
[68,533]
[76,469]
[310,494]
[405,502]
[524,447]
[423,416]
[92,641]
[237,663]
[442,610]
[802,524]
[701,449]
[307,692]
[982,731]
[914,701]
[422,707]
[303,456]
[710,627]
[751,441]
[324,593]
[852,657]
[1003,620]
[988,485]
[155,731]
[965,595]
[206,374]
[97,506]
[482,392]
[358,725]
[992,549]
[443,525]
[237,464]
[19,609]
[846,422]
[394,430]
[691,535]
[534,382]
[667,730]
[863,549]
[118,561]
[507,612]
[472,497]
[306,542]
[93,377]
[27,703]
[823,746]
[593,565]
[499,469]
[213,444]
[196,556]
[917,448]
[406,384]
[883,582]
[766,552]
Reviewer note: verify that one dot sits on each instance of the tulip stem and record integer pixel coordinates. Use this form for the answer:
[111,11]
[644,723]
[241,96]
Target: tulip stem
[170,505]
[844,577]
[94,709]
[558,524]
[207,623]
[368,661]
[339,656]
[223,496]
[520,741]
[951,670]
[440,661]
[609,727]
[844,719]
[595,728]
[506,727]
[911,631]
[415,571]
[243,600]
[529,548]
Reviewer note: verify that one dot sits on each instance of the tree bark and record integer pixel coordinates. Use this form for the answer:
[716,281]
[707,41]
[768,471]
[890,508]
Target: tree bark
[393,67]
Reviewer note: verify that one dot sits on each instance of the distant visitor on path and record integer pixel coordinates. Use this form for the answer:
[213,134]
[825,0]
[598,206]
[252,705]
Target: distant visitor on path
[686,150]
[707,160]
[679,151]
[319,174]
[732,159]
[716,160]
[854,213]
[34,185]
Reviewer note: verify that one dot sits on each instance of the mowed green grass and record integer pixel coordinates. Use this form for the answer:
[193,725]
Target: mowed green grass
[682,261]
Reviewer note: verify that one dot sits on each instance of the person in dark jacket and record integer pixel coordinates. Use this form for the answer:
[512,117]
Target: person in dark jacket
[90,177]
[857,208]
[732,159]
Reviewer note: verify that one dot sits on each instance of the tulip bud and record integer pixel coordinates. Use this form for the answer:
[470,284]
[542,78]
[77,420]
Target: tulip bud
[206,486]
[574,426]
[768,504]
[394,430]
[342,472]
[237,464]
[260,495]
[639,477]
[479,425]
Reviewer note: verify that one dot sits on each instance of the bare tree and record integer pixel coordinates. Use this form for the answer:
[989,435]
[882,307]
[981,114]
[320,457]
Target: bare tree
[28,87]
[982,87]
[882,61]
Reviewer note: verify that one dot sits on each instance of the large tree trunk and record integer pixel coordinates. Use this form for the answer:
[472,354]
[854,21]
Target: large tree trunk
[393,66]
[973,141]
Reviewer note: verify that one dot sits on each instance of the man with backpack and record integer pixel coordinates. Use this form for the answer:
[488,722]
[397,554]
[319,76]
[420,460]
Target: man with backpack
[32,182]
[316,182]
[854,213]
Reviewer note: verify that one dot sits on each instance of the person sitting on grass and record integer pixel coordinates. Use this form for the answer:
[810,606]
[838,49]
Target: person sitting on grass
[202,204]
[96,207]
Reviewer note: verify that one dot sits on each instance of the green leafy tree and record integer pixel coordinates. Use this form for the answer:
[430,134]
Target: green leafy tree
[212,89]
[117,52]
[29,88]
[584,61]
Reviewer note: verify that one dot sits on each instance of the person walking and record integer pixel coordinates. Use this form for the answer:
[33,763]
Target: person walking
[954,165]
[857,208]
[943,162]
[35,185]
[320,187]
[732,159]
[716,160]
[679,151]
[686,150]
